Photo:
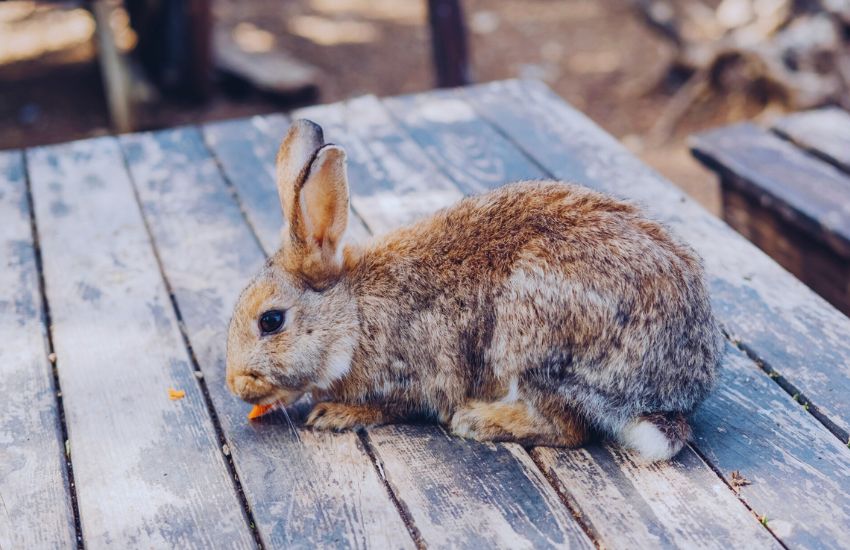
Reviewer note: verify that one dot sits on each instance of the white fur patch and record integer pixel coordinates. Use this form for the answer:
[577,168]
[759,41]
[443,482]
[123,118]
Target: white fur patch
[339,363]
[644,437]
[513,391]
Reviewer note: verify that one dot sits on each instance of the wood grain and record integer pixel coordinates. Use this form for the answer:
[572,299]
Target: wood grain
[465,494]
[35,506]
[149,471]
[805,255]
[796,469]
[824,133]
[781,176]
[306,489]
[473,154]
[662,499]
[788,328]
[630,504]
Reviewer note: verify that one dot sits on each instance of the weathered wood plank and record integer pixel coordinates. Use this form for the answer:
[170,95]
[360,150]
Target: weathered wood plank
[368,173]
[306,489]
[779,174]
[474,155]
[662,500]
[149,471]
[791,331]
[246,150]
[824,133]
[465,494]
[588,150]
[680,504]
[799,473]
[35,506]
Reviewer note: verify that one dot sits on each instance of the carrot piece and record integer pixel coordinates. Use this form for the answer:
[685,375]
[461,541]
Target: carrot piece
[259,410]
[174,395]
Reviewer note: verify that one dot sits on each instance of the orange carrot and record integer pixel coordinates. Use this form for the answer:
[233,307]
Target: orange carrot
[174,395]
[259,410]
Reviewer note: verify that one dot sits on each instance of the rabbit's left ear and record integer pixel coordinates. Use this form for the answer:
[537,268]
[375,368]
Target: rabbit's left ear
[319,216]
[297,150]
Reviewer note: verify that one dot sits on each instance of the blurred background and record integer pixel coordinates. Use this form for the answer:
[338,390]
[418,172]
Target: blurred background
[649,72]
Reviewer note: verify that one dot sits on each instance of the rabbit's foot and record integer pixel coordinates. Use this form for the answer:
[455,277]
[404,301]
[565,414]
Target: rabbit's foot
[328,415]
[514,421]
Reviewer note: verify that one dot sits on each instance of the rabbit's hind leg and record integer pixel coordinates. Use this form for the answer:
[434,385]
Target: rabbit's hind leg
[516,421]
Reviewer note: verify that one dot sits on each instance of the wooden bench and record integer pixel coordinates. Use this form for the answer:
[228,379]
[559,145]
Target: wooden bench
[122,257]
[787,190]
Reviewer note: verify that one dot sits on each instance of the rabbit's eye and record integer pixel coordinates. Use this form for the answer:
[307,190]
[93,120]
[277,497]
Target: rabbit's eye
[271,321]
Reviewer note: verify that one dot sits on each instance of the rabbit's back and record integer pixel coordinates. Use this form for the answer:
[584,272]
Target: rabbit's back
[551,287]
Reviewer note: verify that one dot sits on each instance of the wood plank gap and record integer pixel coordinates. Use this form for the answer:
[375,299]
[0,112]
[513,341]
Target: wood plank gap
[792,390]
[568,502]
[399,505]
[735,492]
[763,364]
[230,188]
[438,166]
[222,440]
[809,150]
[48,335]
[824,132]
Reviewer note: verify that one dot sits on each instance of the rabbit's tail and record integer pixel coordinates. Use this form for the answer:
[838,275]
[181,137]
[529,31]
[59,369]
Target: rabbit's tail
[656,436]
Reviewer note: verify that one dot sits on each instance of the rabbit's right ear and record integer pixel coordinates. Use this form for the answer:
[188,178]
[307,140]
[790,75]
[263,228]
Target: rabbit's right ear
[297,151]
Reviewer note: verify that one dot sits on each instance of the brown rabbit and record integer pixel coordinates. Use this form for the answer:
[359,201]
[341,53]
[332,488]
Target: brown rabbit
[535,313]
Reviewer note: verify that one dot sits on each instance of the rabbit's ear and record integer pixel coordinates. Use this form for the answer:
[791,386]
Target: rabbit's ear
[293,160]
[319,215]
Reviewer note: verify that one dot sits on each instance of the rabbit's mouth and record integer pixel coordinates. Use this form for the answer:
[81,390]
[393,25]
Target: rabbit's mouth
[257,390]
[281,397]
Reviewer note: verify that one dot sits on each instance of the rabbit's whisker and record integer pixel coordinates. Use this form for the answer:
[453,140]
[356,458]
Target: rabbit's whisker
[292,426]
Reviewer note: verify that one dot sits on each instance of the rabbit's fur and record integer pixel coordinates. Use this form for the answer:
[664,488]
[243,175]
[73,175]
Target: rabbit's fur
[536,313]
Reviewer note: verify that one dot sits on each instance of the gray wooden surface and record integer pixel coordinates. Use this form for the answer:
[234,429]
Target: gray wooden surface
[35,503]
[824,133]
[148,470]
[147,241]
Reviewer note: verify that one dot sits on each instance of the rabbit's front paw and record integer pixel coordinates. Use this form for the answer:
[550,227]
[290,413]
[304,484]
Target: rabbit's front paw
[339,416]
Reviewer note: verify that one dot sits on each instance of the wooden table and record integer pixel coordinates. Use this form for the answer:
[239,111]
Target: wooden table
[788,191]
[123,257]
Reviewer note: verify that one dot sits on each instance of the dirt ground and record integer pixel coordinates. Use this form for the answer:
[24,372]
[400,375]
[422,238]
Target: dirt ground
[595,53]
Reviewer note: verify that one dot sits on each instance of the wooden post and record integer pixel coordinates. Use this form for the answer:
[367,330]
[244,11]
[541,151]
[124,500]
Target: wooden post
[113,68]
[174,44]
[448,41]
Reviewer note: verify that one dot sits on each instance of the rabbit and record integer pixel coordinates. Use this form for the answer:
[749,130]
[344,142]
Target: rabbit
[542,313]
